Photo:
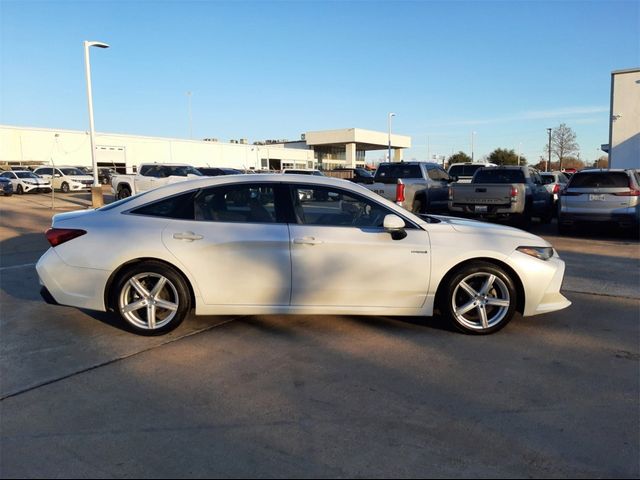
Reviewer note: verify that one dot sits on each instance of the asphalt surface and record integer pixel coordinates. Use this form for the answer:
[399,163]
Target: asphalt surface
[314,396]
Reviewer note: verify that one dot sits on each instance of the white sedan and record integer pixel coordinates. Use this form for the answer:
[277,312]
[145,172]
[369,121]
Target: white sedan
[247,245]
[25,181]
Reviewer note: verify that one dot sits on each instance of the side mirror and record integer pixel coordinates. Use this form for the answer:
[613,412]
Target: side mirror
[395,226]
[453,178]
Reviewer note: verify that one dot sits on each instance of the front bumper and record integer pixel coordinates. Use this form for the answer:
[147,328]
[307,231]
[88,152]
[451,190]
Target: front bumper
[29,188]
[542,282]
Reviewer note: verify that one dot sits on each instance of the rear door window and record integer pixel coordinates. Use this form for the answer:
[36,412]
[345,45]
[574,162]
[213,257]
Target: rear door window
[243,203]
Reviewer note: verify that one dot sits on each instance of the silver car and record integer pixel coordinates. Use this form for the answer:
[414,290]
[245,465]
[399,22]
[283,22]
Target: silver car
[554,182]
[601,196]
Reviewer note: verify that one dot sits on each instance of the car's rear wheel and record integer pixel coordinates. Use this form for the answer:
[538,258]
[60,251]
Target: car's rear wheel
[151,298]
[479,298]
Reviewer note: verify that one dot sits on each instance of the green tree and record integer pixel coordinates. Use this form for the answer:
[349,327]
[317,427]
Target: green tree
[502,156]
[459,157]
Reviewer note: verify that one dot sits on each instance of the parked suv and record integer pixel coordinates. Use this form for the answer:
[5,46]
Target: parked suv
[597,196]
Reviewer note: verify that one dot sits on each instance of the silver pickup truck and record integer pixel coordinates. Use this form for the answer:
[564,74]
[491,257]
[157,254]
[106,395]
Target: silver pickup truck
[426,185]
[512,193]
[150,176]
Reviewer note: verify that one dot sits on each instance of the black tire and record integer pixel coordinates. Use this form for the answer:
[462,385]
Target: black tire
[175,292]
[105,181]
[453,297]
[420,204]
[123,192]
[19,190]
[64,187]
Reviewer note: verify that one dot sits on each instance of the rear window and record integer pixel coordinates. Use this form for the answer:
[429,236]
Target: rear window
[498,175]
[599,180]
[548,179]
[463,170]
[394,172]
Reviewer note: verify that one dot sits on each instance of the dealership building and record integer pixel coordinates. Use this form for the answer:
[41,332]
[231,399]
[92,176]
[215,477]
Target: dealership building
[624,121]
[321,149]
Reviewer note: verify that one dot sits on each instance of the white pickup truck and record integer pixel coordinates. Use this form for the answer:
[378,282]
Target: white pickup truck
[150,176]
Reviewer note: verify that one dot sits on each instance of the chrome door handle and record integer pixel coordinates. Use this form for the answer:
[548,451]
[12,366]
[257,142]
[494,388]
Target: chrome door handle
[188,236]
[307,241]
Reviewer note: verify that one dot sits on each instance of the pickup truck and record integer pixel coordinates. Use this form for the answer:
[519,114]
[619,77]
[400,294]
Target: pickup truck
[425,185]
[511,193]
[463,172]
[150,176]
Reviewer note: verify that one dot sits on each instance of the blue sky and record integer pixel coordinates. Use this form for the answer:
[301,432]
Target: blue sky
[506,70]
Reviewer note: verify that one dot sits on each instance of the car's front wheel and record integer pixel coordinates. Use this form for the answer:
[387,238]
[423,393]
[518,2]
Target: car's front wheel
[151,297]
[479,298]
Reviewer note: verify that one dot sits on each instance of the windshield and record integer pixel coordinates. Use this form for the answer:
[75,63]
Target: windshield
[26,175]
[498,175]
[72,171]
[182,171]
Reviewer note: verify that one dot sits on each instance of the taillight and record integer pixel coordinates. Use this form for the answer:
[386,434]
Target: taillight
[556,189]
[399,191]
[58,236]
[514,194]
[631,193]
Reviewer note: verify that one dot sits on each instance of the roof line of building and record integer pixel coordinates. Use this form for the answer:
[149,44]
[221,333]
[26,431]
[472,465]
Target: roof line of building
[627,70]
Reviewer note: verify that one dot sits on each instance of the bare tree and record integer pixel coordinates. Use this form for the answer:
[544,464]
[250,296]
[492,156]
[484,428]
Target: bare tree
[563,143]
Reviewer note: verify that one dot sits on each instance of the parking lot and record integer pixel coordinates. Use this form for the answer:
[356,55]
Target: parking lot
[315,396]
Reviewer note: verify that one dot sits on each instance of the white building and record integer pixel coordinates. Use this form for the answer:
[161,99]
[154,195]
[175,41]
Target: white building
[624,126]
[326,149]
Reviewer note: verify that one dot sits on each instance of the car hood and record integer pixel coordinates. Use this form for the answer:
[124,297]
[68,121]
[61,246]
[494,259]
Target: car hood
[37,181]
[468,226]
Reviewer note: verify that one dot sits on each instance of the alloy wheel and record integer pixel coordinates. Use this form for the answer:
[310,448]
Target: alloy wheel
[480,301]
[148,301]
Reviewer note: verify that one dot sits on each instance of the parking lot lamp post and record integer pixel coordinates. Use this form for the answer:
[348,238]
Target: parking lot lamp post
[548,163]
[389,125]
[96,195]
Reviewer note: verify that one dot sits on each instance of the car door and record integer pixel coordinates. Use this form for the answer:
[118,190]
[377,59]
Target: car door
[146,178]
[235,243]
[541,196]
[438,188]
[342,257]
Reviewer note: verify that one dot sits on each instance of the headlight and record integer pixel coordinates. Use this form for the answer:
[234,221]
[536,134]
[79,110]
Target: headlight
[543,253]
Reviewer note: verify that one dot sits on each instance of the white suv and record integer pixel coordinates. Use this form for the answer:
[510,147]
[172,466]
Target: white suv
[67,179]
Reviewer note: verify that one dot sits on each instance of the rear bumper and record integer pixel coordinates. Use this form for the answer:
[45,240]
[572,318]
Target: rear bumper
[627,216]
[72,286]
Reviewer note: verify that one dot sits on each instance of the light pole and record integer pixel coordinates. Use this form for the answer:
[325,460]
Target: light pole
[473,134]
[190,117]
[548,164]
[96,190]
[389,125]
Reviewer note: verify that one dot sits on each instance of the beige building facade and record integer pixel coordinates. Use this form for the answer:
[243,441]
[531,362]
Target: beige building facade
[323,149]
[624,126]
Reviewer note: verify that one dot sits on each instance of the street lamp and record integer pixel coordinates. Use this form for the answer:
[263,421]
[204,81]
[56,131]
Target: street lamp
[389,125]
[96,189]
[548,165]
[473,134]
